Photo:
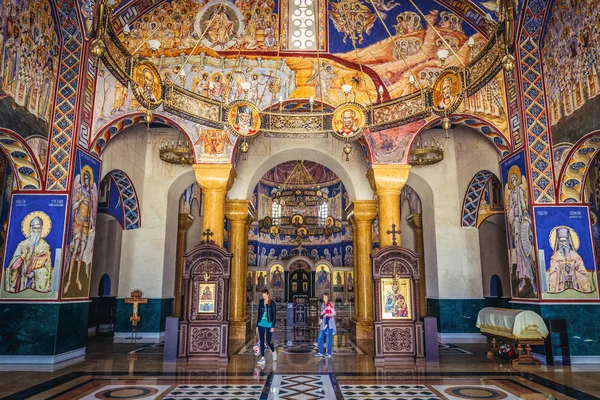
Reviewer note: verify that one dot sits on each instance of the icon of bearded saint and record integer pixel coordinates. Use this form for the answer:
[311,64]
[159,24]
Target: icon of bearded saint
[567,270]
[448,98]
[244,121]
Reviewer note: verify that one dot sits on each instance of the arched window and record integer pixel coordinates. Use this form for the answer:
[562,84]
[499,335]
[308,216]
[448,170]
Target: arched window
[496,286]
[275,211]
[323,212]
[104,286]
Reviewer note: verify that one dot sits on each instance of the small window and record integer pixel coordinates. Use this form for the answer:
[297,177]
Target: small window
[323,212]
[275,211]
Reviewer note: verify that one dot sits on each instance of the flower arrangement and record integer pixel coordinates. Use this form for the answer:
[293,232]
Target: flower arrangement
[506,351]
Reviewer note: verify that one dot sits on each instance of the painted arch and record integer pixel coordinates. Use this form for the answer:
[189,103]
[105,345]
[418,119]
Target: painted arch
[123,204]
[571,181]
[22,161]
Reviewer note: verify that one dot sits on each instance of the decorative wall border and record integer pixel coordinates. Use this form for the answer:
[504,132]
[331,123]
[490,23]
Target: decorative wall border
[132,216]
[571,181]
[67,96]
[470,208]
[533,101]
[22,160]
[487,129]
[113,128]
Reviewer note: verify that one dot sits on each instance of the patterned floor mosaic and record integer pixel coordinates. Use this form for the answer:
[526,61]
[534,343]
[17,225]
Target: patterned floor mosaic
[447,348]
[326,386]
[408,392]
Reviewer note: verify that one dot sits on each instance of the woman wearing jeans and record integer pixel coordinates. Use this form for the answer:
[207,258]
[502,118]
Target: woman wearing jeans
[326,327]
[266,325]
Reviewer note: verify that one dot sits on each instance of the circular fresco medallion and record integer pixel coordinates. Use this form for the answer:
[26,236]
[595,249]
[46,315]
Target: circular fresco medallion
[243,119]
[219,24]
[447,92]
[147,85]
[475,392]
[297,220]
[348,121]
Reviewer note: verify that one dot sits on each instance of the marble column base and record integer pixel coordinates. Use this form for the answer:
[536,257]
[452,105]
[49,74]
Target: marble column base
[361,330]
[239,329]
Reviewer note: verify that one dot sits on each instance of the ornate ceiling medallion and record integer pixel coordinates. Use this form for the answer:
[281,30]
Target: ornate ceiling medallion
[243,119]
[147,84]
[447,92]
[348,122]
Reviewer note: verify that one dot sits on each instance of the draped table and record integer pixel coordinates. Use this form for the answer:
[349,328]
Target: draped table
[523,327]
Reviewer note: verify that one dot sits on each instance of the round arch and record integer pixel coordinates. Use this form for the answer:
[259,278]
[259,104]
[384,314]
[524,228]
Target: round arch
[21,159]
[251,170]
[472,199]
[571,181]
[486,128]
[307,260]
[104,135]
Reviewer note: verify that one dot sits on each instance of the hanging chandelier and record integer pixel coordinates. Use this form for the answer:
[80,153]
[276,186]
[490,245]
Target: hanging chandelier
[426,154]
[176,151]
[300,191]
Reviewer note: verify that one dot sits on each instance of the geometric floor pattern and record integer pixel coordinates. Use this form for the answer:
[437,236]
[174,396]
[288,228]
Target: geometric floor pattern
[213,392]
[277,386]
[409,392]
[301,387]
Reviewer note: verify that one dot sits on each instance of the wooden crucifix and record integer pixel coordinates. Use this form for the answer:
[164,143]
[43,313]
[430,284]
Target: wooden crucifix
[208,233]
[393,233]
[135,299]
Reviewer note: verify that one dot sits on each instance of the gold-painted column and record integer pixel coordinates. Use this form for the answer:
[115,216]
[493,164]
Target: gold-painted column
[363,212]
[387,180]
[237,211]
[215,181]
[185,221]
[416,222]
[354,259]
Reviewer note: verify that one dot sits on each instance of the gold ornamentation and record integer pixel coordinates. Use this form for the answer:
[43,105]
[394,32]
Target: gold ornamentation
[243,119]
[447,92]
[348,121]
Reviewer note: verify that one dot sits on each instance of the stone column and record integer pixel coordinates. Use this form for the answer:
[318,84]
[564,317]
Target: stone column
[185,220]
[354,259]
[387,180]
[215,181]
[237,211]
[416,222]
[363,212]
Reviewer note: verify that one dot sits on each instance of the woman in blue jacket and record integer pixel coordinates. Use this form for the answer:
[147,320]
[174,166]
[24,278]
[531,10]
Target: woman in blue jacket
[266,324]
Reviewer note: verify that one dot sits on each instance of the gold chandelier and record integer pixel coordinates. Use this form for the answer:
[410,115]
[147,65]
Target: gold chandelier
[426,154]
[176,152]
[299,189]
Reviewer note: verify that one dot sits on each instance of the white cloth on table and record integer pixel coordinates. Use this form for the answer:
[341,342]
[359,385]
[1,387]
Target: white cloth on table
[491,319]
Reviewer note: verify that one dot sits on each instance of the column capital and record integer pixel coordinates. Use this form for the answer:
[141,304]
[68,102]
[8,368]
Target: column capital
[239,210]
[217,177]
[185,221]
[415,221]
[362,211]
[388,177]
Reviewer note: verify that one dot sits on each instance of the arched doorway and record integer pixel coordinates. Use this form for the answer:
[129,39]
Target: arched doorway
[300,282]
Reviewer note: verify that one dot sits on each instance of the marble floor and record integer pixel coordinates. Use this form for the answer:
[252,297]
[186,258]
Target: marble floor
[136,371]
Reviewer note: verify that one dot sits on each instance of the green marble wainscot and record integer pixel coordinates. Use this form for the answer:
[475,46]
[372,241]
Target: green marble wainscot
[583,325]
[455,315]
[42,329]
[152,315]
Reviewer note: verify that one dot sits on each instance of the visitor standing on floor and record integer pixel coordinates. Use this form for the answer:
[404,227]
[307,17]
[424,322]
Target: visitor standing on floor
[266,325]
[326,326]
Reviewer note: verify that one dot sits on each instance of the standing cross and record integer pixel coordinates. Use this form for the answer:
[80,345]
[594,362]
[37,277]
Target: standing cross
[208,233]
[393,233]
[135,299]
